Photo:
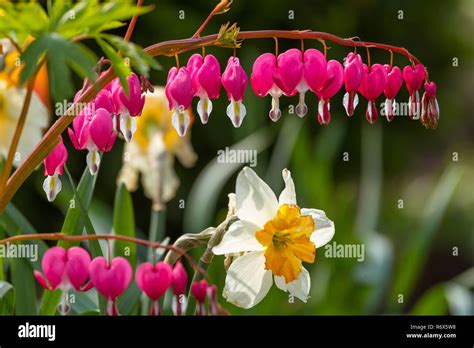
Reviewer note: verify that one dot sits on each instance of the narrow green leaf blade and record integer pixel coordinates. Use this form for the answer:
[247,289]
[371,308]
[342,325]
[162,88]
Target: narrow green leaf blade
[124,224]
[7,298]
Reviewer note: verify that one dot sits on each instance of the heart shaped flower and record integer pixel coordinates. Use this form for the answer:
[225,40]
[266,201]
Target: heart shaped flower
[429,106]
[64,269]
[234,80]
[154,280]
[374,80]
[53,167]
[353,70]
[110,280]
[334,81]
[179,91]
[414,77]
[394,82]
[206,78]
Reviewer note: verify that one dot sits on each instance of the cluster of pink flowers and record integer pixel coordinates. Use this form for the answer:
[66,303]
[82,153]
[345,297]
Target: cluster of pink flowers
[95,128]
[292,72]
[73,268]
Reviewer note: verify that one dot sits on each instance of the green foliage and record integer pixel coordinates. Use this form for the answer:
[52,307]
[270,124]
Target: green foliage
[56,35]
[124,224]
[7,298]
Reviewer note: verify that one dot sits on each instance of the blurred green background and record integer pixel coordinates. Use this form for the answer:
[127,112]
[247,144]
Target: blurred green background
[409,251]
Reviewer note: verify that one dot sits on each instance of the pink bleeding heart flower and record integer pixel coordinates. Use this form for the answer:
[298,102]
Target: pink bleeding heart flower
[93,130]
[314,77]
[371,87]
[53,167]
[179,280]
[154,280]
[199,292]
[353,69]
[64,270]
[394,82]
[206,77]
[179,91]
[299,73]
[334,81]
[234,80]
[110,280]
[429,106]
[128,106]
[414,77]
[261,79]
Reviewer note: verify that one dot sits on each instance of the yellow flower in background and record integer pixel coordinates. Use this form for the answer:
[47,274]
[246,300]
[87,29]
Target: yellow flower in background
[153,149]
[11,103]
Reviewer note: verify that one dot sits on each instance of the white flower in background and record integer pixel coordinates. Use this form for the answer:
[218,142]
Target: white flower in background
[275,237]
[151,152]
[11,103]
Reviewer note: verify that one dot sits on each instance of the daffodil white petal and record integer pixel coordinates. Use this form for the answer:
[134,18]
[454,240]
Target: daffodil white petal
[288,195]
[299,287]
[247,280]
[239,237]
[323,227]
[255,200]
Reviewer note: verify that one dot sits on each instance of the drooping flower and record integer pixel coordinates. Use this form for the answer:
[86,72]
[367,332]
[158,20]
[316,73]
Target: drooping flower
[414,77]
[394,82]
[153,149]
[234,79]
[127,107]
[261,79]
[199,292]
[206,77]
[290,73]
[315,73]
[179,91]
[179,281]
[332,84]
[53,167]
[64,269]
[110,280]
[353,69]
[274,237]
[374,80]
[430,108]
[154,280]
[93,130]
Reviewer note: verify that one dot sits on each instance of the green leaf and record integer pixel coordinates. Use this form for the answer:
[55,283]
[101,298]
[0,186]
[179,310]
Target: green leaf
[24,282]
[94,244]
[432,302]
[73,225]
[62,56]
[7,298]
[139,59]
[413,258]
[124,224]
[120,68]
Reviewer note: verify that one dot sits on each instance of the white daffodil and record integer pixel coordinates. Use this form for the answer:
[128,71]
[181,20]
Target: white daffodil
[274,237]
[151,152]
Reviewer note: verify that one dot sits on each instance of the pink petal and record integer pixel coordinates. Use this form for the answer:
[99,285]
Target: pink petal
[54,265]
[77,267]
[394,81]
[353,70]
[290,71]
[101,129]
[154,280]
[315,69]
[209,76]
[56,159]
[264,67]
[334,80]
[110,280]
[234,79]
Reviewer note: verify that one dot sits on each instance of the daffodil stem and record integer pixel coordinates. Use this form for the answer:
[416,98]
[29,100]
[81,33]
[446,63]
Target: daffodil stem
[167,48]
